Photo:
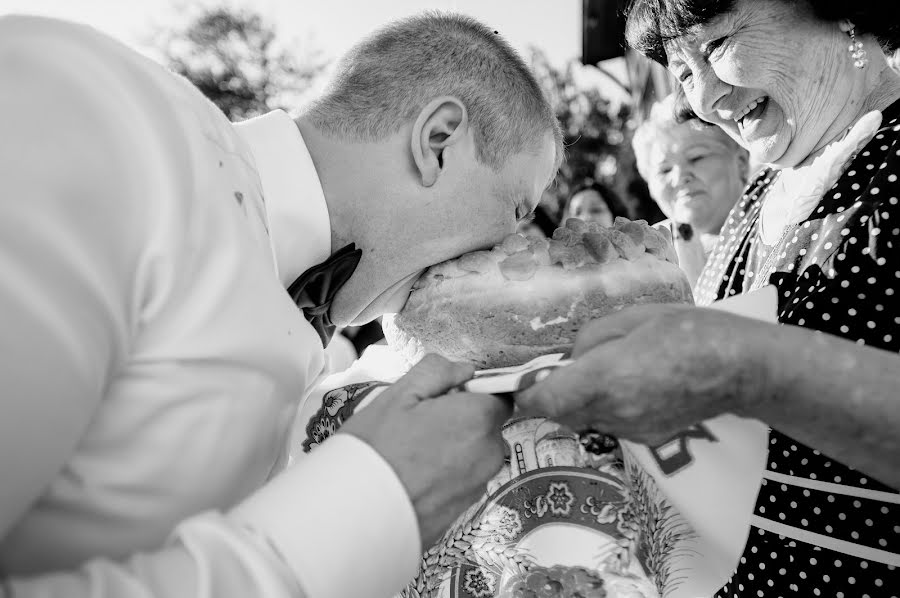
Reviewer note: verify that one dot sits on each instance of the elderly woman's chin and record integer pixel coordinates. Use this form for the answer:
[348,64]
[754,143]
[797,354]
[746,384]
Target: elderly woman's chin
[770,139]
[782,141]
[779,150]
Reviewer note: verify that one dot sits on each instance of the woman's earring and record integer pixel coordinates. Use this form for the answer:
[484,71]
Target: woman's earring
[857,53]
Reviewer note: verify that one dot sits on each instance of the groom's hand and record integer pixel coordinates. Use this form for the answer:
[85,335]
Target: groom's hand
[444,447]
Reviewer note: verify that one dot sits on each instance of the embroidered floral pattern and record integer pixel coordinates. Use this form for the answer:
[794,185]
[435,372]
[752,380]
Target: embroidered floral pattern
[603,512]
[507,522]
[334,401]
[560,499]
[479,584]
[337,406]
[537,507]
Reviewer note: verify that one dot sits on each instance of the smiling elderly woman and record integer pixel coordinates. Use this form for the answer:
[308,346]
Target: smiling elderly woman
[806,87]
[695,173]
[788,80]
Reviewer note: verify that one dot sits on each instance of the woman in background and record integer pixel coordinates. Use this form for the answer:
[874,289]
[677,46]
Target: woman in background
[595,202]
[695,173]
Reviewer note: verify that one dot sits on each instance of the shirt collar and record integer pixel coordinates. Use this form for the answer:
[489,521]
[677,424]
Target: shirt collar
[299,225]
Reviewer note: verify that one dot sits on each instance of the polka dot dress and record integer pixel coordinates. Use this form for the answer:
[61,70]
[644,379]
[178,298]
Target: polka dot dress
[821,528]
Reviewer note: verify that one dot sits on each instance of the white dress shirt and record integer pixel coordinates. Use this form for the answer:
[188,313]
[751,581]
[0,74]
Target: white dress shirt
[152,362]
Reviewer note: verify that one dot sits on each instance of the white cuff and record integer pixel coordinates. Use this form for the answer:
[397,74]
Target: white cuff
[341,520]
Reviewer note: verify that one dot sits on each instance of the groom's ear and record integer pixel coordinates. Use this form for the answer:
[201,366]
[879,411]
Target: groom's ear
[442,123]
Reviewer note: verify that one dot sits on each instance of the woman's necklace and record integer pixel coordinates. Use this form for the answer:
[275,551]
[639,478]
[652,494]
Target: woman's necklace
[761,278]
[776,209]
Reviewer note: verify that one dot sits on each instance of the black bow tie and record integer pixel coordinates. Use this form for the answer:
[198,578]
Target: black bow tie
[314,290]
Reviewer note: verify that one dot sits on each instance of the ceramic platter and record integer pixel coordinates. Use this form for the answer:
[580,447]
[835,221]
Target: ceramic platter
[550,520]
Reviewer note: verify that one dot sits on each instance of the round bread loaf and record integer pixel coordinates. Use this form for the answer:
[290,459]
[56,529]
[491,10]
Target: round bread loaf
[528,297]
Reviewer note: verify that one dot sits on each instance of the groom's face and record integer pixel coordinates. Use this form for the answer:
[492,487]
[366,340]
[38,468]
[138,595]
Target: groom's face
[471,207]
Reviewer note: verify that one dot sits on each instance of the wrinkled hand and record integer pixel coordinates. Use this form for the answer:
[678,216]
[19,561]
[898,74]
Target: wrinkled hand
[444,447]
[648,372]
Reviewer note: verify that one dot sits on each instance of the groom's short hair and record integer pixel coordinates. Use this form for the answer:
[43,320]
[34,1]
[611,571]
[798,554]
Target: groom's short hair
[385,80]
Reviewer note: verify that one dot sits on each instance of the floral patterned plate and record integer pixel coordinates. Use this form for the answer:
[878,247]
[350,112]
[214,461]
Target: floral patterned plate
[555,522]
[550,522]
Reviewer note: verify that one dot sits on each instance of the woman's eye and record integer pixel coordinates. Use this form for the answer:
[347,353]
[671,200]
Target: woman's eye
[684,75]
[712,47]
[695,159]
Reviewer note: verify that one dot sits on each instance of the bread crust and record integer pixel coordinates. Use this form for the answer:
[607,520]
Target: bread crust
[496,316]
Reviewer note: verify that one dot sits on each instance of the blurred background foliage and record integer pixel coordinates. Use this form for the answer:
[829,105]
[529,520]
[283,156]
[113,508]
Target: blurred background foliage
[236,58]
[597,134]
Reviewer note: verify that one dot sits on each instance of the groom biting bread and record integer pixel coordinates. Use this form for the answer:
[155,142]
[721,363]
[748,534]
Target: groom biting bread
[171,279]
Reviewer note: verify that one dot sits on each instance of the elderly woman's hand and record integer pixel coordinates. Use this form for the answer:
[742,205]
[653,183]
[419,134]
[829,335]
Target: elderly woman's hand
[647,372]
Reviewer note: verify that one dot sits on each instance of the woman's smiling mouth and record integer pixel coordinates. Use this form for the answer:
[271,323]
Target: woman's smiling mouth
[749,117]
